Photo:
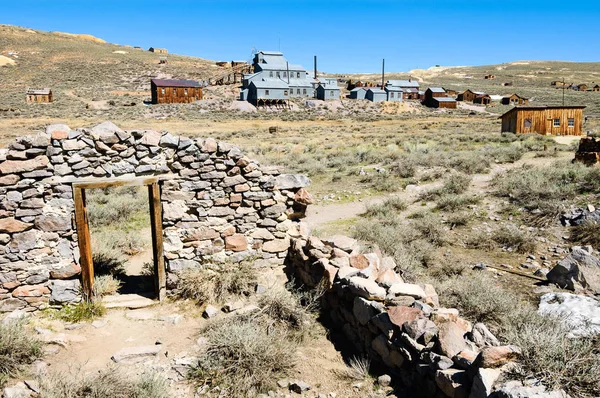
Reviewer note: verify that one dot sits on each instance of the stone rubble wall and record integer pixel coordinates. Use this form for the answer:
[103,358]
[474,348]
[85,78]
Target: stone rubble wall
[588,152]
[429,351]
[218,205]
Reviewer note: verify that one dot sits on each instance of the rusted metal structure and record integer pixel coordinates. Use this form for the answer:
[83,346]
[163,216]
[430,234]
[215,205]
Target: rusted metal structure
[546,120]
[175,91]
[158,50]
[588,152]
[38,95]
[514,99]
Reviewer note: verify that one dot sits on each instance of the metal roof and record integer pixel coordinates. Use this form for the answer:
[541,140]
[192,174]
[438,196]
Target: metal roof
[444,99]
[540,108]
[376,90]
[38,91]
[358,88]
[175,83]
[395,89]
[282,67]
[270,84]
[404,83]
[270,52]
[437,90]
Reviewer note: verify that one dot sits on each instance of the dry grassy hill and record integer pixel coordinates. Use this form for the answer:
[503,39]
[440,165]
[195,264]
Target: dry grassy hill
[530,79]
[82,70]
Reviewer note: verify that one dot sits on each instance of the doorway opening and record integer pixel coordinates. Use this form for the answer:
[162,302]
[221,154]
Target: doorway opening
[119,230]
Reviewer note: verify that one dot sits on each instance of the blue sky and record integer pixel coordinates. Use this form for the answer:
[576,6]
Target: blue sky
[347,36]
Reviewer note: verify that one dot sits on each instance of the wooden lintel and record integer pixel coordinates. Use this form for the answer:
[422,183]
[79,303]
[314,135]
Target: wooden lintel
[115,182]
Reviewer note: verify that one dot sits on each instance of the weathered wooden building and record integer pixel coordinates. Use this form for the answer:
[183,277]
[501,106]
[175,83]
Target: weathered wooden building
[38,95]
[514,99]
[443,102]
[375,94]
[547,120]
[166,91]
[596,88]
[395,94]
[431,93]
[450,92]
[326,92]
[358,93]
[468,95]
[489,77]
[482,99]
[410,88]
[582,87]
[158,50]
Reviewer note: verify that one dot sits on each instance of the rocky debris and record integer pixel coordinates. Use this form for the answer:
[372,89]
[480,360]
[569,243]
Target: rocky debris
[129,355]
[16,392]
[516,389]
[581,313]
[588,151]
[130,301]
[580,270]
[210,311]
[399,325]
[384,380]
[299,386]
[218,205]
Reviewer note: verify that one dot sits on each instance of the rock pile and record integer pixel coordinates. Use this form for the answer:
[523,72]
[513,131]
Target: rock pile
[217,204]
[430,351]
[579,271]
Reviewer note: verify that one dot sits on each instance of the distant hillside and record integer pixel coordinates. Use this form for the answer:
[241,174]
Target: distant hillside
[82,70]
[529,78]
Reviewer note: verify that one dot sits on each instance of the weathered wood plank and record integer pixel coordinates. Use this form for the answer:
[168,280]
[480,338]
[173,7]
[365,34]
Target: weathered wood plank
[105,183]
[84,240]
[160,277]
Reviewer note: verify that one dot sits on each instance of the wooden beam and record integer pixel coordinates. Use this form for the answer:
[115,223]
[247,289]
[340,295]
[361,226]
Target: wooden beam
[115,182]
[160,277]
[85,247]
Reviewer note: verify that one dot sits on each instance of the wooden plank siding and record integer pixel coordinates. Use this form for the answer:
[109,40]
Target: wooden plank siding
[542,120]
[175,95]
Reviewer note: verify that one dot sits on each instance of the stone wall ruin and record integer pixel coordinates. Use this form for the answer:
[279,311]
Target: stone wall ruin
[218,205]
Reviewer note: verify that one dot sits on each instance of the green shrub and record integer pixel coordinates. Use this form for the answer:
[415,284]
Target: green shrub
[587,233]
[387,208]
[453,202]
[512,237]
[18,347]
[86,310]
[111,382]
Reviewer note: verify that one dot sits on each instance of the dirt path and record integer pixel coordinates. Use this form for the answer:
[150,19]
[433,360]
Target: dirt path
[320,215]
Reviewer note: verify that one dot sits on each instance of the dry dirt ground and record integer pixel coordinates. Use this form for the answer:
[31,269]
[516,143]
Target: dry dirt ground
[176,326]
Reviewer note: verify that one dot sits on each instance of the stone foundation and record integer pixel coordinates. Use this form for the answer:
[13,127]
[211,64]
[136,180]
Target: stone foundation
[429,351]
[218,205]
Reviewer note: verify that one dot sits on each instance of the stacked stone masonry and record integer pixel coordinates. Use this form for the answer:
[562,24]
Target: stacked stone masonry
[217,204]
[589,151]
[429,351]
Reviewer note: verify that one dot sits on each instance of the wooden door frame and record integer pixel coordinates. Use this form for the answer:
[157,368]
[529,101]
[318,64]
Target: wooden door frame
[83,230]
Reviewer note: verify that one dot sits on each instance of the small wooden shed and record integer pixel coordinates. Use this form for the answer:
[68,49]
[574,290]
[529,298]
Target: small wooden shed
[431,93]
[596,88]
[467,96]
[38,95]
[482,99]
[443,102]
[514,99]
[489,77]
[546,120]
[582,87]
[166,91]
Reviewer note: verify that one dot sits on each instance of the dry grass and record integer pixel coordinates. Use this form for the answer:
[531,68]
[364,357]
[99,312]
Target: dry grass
[105,285]
[587,233]
[217,285]
[245,356]
[111,382]
[18,348]
[514,238]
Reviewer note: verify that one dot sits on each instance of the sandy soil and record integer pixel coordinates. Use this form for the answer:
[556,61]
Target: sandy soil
[6,61]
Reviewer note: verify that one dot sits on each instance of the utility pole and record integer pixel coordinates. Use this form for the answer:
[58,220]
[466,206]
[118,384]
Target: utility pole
[563,84]
[383,74]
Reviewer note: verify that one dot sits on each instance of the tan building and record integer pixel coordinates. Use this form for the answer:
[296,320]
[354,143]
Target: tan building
[38,95]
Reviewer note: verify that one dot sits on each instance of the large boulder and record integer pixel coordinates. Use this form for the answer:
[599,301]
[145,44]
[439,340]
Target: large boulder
[581,313]
[291,181]
[578,271]
[64,291]
[516,389]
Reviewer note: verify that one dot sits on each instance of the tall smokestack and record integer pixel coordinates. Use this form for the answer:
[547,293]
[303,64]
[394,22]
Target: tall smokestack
[383,74]
[315,66]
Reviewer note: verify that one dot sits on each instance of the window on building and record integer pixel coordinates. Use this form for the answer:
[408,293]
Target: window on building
[162,91]
[285,92]
[304,91]
[174,91]
[271,74]
[266,92]
[556,122]
[298,75]
[571,122]
[284,74]
[278,75]
[527,123]
[185,91]
[391,95]
[298,91]
[331,93]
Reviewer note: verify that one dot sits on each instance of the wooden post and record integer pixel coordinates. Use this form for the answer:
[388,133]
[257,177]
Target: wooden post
[160,277]
[85,247]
